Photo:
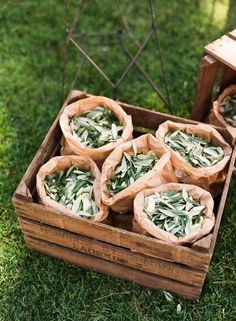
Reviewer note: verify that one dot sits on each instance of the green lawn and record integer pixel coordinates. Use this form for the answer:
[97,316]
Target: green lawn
[34,287]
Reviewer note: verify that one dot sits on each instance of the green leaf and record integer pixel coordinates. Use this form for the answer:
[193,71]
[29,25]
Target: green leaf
[76,194]
[175,212]
[96,127]
[197,151]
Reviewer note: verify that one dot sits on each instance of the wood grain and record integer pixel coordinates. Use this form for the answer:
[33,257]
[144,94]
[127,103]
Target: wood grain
[232,34]
[113,235]
[224,50]
[113,269]
[203,244]
[223,200]
[112,253]
[228,77]
[208,70]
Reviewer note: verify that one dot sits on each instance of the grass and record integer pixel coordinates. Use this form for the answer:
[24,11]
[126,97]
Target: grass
[35,287]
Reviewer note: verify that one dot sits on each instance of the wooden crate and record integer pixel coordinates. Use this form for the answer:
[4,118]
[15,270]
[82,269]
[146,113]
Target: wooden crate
[114,249]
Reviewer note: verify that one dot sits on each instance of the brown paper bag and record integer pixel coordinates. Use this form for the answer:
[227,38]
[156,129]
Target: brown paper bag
[147,227]
[210,178]
[72,146]
[215,117]
[161,173]
[63,162]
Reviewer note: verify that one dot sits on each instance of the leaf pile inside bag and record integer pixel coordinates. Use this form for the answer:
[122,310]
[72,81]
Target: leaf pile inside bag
[130,168]
[175,212]
[72,188]
[198,152]
[228,109]
[96,128]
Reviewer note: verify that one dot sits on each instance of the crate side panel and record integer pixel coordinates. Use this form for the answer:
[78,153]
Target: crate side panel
[113,269]
[113,253]
[223,199]
[109,234]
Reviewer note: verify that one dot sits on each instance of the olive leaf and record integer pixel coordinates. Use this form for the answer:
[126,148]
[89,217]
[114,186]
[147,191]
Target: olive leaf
[130,168]
[178,308]
[96,128]
[168,296]
[175,212]
[72,188]
[198,152]
[228,109]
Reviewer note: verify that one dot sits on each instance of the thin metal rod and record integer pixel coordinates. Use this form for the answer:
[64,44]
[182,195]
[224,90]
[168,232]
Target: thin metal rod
[146,76]
[129,32]
[108,43]
[134,58]
[82,62]
[101,33]
[64,56]
[142,71]
[75,22]
[154,27]
[115,93]
[77,76]
[91,61]
[66,41]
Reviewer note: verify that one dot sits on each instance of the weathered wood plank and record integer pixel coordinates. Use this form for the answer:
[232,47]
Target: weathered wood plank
[203,99]
[113,235]
[232,34]
[150,119]
[113,269]
[224,50]
[228,77]
[223,199]
[112,253]
[203,244]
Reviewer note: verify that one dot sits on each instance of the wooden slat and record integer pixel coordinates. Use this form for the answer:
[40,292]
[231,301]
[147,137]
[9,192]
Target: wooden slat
[224,50]
[223,199]
[228,77]
[203,244]
[23,192]
[113,235]
[112,253]
[232,34]
[203,99]
[113,269]
[150,119]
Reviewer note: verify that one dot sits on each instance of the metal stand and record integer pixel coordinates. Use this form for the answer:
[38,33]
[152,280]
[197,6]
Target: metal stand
[80,41]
